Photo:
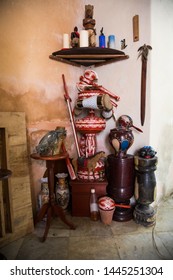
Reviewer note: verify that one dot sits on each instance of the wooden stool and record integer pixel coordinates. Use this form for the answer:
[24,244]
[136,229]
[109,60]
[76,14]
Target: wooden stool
[51,208]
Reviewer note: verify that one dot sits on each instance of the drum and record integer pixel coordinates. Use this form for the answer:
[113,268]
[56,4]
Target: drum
[99,102]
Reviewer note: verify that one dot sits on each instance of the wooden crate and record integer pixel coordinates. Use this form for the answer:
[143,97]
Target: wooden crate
[17,189]
[81,195]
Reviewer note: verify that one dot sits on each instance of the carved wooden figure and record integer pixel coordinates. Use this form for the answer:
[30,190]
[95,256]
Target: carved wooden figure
[89,24]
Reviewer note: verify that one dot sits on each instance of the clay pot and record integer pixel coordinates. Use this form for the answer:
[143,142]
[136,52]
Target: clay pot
[106,216]
[106,209]
[90,124]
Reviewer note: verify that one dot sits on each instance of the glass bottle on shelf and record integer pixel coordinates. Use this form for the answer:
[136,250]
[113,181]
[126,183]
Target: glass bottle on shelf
[62,190]
[94,211]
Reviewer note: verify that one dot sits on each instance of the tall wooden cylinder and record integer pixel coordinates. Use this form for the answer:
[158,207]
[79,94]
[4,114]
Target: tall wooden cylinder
[121,177]
[144,213]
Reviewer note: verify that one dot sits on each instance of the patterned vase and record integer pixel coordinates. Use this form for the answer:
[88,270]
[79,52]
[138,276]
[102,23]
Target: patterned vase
[121,137]
[43,196]
[62,191]
[121,140]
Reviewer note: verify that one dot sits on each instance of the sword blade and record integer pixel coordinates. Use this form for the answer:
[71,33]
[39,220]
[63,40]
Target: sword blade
[143,90]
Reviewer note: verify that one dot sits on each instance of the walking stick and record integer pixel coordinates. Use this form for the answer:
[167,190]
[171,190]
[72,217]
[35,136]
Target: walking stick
[144,55]
[68,100]
[68,163]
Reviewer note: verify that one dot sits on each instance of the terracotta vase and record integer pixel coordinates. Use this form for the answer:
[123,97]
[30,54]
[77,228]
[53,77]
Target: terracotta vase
[106,209]
[90,124]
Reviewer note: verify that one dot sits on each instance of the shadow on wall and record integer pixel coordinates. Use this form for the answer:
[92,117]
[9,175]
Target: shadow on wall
[34,105]
[165,170]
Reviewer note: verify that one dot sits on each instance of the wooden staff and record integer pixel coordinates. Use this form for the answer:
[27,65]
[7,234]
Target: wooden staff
[68,163]
[68,100]
[143,52]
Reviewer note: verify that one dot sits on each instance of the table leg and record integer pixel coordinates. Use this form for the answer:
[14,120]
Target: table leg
[59,212]
[42,213]
[49,217]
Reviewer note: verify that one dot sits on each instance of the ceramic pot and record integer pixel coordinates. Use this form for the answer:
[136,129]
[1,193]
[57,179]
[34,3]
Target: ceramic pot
[106,209]
[106,216]
[90,124]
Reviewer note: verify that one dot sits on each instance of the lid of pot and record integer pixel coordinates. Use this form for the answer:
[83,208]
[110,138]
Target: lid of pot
[106,203]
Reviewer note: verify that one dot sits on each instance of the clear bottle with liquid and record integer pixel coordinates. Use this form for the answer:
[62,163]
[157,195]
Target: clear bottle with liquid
[94,211]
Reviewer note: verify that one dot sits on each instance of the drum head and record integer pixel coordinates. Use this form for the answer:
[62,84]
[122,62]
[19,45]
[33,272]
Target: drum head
[107,102]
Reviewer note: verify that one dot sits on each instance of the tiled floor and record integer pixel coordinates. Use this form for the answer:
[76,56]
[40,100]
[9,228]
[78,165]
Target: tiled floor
[96,241]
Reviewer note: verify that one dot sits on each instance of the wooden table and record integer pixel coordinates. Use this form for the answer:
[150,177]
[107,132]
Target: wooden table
[51,208]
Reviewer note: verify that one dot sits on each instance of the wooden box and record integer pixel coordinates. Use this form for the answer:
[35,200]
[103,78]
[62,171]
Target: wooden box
[80,191]
[16,217]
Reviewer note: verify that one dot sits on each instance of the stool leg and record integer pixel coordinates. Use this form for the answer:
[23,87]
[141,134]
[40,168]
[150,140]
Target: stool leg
[41,213]
[49,217]
[59,212]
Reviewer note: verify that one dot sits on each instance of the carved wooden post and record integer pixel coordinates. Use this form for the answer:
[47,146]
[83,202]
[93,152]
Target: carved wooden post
[144,213]
[120,176]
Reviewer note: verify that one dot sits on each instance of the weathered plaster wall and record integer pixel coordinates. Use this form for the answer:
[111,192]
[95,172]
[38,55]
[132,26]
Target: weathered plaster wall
[30,81]
[31,30]
[161,123]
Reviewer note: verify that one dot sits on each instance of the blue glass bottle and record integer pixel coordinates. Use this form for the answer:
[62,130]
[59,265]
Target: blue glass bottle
[102,43]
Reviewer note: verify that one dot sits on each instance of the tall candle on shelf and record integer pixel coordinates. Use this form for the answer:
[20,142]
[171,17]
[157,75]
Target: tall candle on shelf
[111,41]
[66,42]
[84,38]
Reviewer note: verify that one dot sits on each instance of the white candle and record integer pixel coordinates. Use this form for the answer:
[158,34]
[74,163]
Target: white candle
[66,41]
[84,38]
[111,39]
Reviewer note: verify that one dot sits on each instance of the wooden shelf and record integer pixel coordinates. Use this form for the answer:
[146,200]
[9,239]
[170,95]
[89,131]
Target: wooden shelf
[88,56]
